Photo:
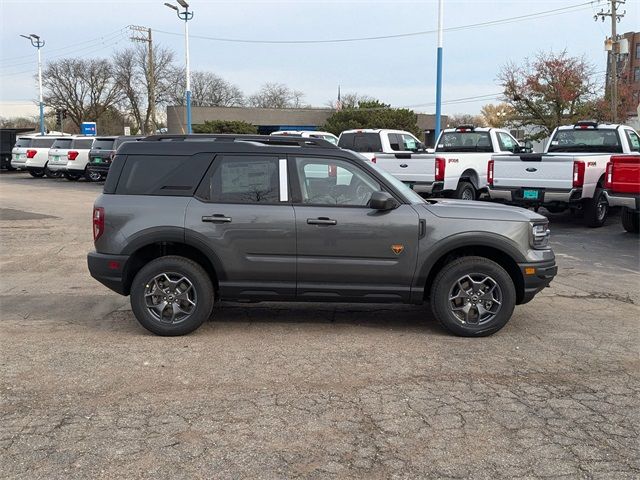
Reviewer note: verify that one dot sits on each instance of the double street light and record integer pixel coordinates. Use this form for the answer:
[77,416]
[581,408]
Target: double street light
[185,15]
[37,42]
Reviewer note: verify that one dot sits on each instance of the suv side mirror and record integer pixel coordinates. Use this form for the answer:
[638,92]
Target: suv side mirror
[382,201]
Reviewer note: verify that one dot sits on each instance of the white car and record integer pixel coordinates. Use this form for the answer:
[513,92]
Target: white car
[19,151]
[38,157]
[329,137]
[57,161]
[78,159]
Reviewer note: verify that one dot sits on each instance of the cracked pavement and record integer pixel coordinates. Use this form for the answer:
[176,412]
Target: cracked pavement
[276,390]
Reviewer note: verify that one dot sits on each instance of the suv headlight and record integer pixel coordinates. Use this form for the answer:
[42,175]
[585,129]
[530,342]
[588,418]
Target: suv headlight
[540,234]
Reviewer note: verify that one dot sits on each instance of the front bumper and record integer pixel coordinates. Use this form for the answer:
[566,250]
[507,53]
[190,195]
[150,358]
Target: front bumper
[629,200]
[109,270]
[515,195]
[536,276]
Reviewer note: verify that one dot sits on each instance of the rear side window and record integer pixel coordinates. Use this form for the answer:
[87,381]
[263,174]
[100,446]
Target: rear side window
[162,175]
[62,143]
[23,143]
[42,142]
[464,142]
[361,142]
[82,143]
[634,141]
[243,179]
[103,144]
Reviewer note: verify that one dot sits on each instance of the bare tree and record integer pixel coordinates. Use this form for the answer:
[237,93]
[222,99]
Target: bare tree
[207,90]
[133,77]
[276,95]
[85,88]
[465,119]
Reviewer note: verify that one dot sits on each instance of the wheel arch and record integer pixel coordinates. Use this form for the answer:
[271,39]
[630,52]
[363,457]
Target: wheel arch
[471,176]
[493,247]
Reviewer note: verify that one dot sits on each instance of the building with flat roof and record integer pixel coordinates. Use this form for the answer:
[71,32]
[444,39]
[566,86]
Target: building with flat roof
[273,119]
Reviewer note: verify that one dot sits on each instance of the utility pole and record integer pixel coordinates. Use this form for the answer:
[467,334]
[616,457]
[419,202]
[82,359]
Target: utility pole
[613,53]
[37,42]
[152,77]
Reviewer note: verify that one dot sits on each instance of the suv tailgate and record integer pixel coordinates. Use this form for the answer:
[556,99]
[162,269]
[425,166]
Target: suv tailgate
[533,170]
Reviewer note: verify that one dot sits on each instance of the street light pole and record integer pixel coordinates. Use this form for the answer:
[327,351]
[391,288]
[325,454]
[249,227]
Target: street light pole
[439,71]
[38,43]
[185,15]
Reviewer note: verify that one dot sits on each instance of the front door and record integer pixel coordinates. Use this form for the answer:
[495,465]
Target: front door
[347,251]
[242,216]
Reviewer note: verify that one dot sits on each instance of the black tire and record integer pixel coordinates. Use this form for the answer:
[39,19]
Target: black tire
[72,177]
[175,266]
[630,220]
[92,176]
[36,173]
[596,209]
[447,280]
[466,191]
[52,174]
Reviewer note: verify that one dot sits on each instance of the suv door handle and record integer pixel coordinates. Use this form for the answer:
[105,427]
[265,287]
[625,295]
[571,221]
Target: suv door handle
[216,218]
[321,221]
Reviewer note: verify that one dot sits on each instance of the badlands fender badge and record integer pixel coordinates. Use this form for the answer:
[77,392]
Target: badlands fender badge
[397,249]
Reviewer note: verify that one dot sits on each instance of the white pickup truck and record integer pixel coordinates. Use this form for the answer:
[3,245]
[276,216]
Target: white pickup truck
[457,169]
[569,174]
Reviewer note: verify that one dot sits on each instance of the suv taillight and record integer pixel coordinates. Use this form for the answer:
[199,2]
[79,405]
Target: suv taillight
[439,169]
[31,153]
[98,222]
[72,154]
[578,173]
[490,172]
[608,176]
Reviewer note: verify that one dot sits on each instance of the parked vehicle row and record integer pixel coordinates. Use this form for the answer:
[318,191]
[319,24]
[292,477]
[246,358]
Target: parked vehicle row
[66,155]
[469,162]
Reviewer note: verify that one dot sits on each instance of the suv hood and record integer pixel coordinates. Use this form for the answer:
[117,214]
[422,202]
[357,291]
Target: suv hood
[465,209]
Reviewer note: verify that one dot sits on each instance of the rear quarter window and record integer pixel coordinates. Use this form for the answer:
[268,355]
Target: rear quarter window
[168,175]
[23,143]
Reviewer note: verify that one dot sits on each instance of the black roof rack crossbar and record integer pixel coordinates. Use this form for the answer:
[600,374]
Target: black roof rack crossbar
[280,140]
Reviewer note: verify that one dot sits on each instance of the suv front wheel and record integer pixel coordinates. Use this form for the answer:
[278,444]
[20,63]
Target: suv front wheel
[473,297]
[172,296]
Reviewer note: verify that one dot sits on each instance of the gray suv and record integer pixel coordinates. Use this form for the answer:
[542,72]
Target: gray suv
[185,221]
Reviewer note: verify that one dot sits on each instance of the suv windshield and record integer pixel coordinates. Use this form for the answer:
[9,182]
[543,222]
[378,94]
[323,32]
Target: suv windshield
[464,142]
[62,143]
[24,142]
[103,144]
[361,142]
[586,140]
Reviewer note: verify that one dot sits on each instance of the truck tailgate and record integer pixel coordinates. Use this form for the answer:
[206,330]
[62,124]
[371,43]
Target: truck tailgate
[410,168]
[533,170]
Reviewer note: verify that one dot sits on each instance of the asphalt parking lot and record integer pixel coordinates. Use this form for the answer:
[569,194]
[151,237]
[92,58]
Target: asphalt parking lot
[308,391]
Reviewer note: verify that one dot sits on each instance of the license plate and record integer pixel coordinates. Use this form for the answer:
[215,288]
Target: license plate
[97,160]
[56,158]
[530,194]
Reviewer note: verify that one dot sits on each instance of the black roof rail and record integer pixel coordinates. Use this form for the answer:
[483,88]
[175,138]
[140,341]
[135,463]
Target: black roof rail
[276,140]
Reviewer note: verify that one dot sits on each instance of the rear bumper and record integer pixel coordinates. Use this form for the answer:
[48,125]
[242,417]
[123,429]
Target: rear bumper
[109,270]
[515,195]
[103,169]
[537,280]
[57,167]
[630,200]
[19,164]
[425,187]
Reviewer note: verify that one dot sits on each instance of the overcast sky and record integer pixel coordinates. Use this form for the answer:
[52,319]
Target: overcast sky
[400,71]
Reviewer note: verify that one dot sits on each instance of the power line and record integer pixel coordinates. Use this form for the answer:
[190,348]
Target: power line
[556,11]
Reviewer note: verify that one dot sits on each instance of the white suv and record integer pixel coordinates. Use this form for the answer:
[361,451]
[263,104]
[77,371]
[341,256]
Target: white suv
[19,151]
[70,156]
[38,157]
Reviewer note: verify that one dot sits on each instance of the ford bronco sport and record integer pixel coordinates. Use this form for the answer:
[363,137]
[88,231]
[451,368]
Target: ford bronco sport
[188,220]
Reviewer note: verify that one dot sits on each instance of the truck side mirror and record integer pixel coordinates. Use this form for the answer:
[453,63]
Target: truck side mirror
[382,201]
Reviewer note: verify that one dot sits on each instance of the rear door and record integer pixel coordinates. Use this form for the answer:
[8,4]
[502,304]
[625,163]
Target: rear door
[242,215]
[347,251]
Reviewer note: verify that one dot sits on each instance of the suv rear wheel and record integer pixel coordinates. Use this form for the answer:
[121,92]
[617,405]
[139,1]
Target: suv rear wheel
[630,220]
[172,296]
[473,297]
